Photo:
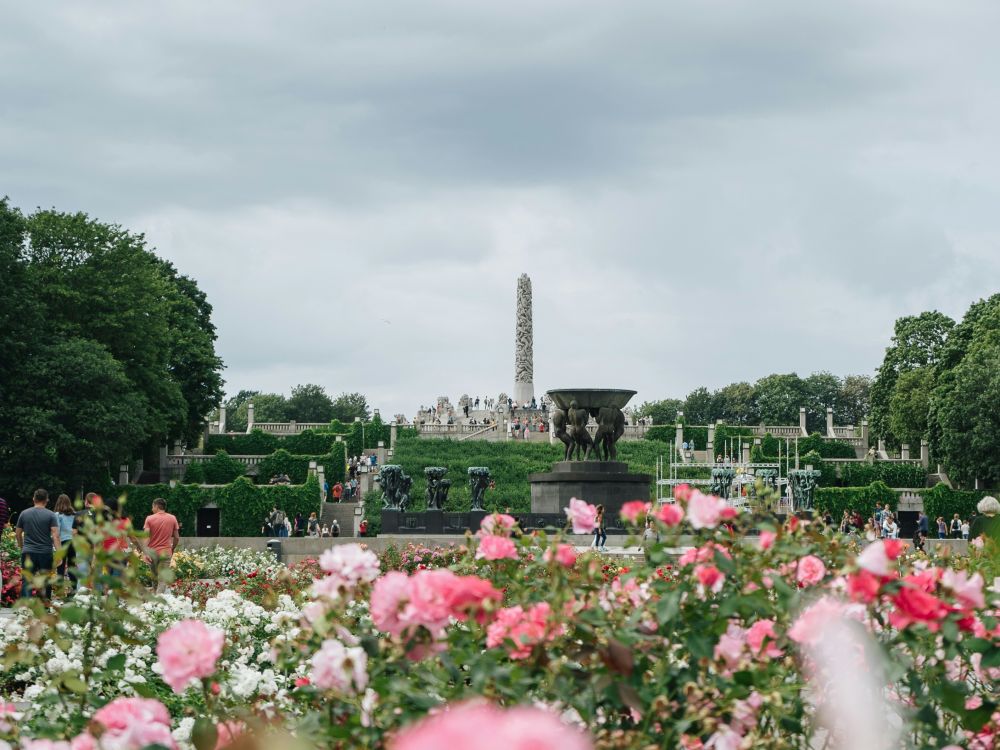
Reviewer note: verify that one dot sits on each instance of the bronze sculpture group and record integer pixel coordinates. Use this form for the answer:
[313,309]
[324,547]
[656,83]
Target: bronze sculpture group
[570,426]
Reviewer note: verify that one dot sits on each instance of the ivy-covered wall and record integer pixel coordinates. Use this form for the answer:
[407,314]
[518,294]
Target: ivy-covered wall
[242,504]
[939,500]
[862,499]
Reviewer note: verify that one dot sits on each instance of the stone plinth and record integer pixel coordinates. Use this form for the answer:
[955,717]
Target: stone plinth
[608,483]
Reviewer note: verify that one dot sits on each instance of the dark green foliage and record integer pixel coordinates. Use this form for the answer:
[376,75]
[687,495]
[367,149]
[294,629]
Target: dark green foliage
[222,469]
[727,436]
[242,504]
[373,512]
[309,403]
[107,349]
[349,406]
[892,473]
[254,443]
[939,500]
[283,462]
[862,499]
[664,412]
[510,463]
[195,473]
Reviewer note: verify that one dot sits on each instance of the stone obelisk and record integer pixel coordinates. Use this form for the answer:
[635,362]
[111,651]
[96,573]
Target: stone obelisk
[524,369]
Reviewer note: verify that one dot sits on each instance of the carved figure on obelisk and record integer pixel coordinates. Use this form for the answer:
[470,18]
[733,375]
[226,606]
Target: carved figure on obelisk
[524,368]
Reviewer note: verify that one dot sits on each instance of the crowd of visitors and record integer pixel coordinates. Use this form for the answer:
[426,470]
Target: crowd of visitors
[42,533]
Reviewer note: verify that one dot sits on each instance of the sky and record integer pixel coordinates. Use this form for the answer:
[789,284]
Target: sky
[702,192]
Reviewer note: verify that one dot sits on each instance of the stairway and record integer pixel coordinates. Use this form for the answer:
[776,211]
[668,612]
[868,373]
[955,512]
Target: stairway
[343,512]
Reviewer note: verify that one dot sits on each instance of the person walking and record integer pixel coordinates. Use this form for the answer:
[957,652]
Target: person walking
[37,534]
[942,528]
[164,536]
[600,533]
[965,530]
[298,527]
[335,528]
[66,519]
[338,492]
[956,527]
[312,526]
[923,523]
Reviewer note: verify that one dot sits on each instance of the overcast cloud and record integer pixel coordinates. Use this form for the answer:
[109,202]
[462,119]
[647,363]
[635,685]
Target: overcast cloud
[701,191]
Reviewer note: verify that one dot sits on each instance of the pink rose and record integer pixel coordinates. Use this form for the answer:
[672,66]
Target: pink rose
[228,732]
[497,523]
[724,739]
[339,668]
[874,560]
[390,595]
[810,570]
[756,635]
[969,591]
[705,511]
[483,725]
[767,539]
[730,646]
[710,578]
[350,564]
[582,515]
[45,745]
[187,651]
[634,511]
[809,626]
[564,554]
[496,548]
[526,628]
[133,723]
[670,514]
[682,493]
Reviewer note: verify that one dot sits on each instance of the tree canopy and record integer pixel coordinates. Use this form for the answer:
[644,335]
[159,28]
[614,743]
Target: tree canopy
[107,350]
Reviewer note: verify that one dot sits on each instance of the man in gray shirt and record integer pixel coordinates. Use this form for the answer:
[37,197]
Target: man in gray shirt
[37,535]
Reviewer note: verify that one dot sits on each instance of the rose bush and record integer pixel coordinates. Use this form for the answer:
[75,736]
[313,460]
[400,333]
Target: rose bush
[720,646]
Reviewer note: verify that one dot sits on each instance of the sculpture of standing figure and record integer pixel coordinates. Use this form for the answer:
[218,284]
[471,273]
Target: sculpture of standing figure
[578,419]
[559,430]
[479,481]
[437,487]
[610,427]
[395,487]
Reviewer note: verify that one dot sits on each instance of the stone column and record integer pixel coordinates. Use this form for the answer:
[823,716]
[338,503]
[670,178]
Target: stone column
[802,422]
[829,423]
[864,434]
[392,434]
[881,449]
[222,419]
[249,416]
[925,454]
[904,451]
[524,367]
[710,447]
[746,453]
[679,441]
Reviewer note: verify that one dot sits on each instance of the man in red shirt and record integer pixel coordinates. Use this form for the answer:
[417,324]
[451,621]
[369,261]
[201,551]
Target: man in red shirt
[164,535]
[338,492]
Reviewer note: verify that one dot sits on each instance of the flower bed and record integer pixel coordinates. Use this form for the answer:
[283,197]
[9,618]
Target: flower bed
[521,641]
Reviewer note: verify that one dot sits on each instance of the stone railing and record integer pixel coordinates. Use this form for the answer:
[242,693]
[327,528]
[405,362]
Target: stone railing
[845,433]
[181,461]
[289,428]
[778,431]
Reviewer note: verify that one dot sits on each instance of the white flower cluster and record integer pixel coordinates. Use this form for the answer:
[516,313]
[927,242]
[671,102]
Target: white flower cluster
[231,562]
[246,669]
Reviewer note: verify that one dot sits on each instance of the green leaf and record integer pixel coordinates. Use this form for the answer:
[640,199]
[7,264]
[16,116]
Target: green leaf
[116,663]
[73,615]
[74,683]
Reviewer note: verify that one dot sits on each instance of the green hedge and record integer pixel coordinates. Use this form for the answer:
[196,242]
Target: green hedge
[373,512]
[664,433]
[242,504]
[862,499]
[815,442]
[258,443]
[939,500]
[893,474]
[220,469]
[509,461]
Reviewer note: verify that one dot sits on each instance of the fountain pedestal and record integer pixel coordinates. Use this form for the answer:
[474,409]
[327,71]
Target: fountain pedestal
[607,483]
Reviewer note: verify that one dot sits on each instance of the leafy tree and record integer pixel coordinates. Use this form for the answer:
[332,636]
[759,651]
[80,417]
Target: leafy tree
[822,391]
[963,420]
[663,412]
[309,403]
[267,407]
[701,406]
[910,404]
[737,404]
[966,415]
[347,406]
[779,398]
[236,419]
[854,400]
[918,341]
